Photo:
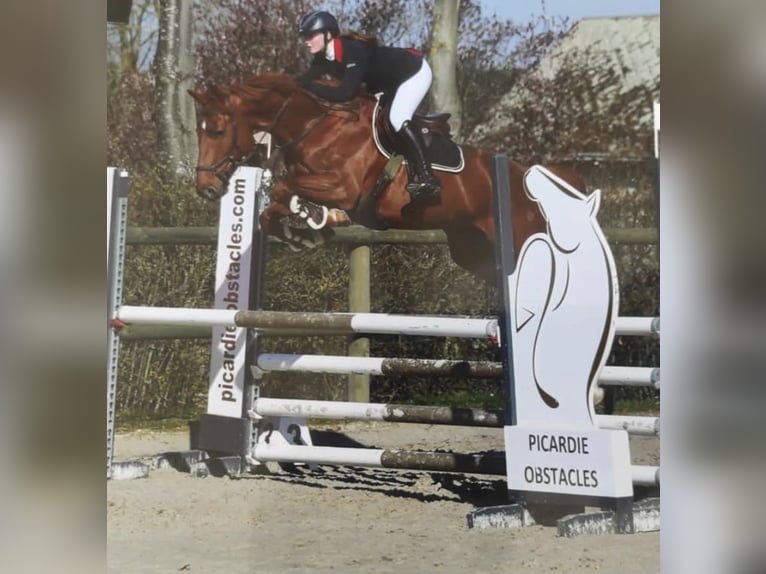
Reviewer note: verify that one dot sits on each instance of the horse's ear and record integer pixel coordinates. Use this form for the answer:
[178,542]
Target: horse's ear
[199,97]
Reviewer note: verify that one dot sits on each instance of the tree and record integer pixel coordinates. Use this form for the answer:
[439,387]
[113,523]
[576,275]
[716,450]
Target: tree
[492,56]
[129,45]
[173,73]
[131,139]
[238,39]
[392,22]
[443,59]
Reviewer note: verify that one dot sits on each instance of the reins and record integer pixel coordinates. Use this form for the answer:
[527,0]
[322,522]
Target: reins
[235,157]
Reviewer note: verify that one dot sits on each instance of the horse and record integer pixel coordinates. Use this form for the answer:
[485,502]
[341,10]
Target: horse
[333,157]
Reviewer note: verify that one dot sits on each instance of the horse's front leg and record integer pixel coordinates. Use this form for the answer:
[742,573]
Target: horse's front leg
[325,189]
[271,216]
[274,220]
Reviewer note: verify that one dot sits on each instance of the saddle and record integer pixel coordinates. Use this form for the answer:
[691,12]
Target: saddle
[443,153]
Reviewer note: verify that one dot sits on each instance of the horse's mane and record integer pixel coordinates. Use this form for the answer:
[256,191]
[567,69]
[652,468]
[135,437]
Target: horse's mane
[285,85]
[282,83]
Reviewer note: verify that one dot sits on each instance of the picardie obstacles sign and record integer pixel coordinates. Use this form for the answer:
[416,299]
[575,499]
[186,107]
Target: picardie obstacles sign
[561,302]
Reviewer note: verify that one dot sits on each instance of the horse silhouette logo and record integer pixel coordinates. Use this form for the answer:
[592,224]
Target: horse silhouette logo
[565,296]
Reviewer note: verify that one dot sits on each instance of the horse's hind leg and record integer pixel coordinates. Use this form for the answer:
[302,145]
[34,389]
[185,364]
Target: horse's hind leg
[472,250]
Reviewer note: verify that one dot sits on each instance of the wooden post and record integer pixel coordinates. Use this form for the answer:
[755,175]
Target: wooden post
[353,234]
[359,302]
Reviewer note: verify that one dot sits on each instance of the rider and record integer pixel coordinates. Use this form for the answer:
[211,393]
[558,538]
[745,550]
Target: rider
[354,59]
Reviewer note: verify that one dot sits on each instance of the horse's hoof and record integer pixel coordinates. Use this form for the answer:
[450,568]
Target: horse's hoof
[209,193]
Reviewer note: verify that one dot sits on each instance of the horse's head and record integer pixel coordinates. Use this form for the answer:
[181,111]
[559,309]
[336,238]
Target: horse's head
[227,118]
[224,142]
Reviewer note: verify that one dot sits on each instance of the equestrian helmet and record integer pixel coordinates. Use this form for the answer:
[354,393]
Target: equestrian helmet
[318,21]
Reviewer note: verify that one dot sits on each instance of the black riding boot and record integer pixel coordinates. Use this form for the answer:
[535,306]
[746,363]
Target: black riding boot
[424,186]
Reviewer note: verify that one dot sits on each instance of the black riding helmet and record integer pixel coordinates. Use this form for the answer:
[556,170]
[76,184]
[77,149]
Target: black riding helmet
[318,21]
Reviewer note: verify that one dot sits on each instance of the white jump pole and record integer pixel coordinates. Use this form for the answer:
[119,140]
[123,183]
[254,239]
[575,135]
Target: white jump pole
[175,316]
[629,377]
[341,364]
[338,364]
[634,425]
[373,323]
[343,323]
[637,326]
[271,407]
[377,458]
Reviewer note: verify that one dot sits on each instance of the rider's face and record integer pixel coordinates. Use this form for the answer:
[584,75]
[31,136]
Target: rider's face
[315,42]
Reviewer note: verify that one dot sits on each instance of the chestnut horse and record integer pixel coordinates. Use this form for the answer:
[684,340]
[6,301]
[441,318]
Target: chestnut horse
[331,159]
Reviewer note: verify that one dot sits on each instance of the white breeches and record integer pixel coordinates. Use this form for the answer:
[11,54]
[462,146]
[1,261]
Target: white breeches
[409,95]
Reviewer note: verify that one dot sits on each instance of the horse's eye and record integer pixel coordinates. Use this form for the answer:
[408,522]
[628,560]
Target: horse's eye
[211,130]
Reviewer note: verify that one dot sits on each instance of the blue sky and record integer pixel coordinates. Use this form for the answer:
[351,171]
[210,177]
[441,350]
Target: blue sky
[521,11]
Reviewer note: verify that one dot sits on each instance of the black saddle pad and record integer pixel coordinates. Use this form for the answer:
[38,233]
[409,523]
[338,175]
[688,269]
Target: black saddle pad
[443,153]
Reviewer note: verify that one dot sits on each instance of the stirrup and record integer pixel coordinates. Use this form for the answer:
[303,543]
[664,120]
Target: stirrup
[315,215]
[424,190]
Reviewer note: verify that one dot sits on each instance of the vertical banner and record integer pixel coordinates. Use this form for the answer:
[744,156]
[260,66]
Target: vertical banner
[232,292]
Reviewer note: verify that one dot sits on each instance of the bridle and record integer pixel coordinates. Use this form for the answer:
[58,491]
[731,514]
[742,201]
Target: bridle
[235,157]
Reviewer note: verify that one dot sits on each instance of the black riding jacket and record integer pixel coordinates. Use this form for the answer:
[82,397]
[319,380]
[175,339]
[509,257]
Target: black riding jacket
[381,68]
